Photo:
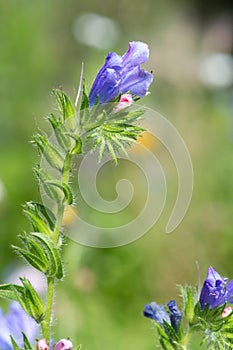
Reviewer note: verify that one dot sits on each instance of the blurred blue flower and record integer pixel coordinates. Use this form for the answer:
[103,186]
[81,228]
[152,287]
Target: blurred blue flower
[215,291]
[14,323]
[121,74]
[175,314]
[156,312]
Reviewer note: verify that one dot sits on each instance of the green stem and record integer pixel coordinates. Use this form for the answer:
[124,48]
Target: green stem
[57,229]
[46,324]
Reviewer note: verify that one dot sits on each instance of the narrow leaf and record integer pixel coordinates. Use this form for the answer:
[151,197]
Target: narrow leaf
[65,189]
[55,264]
[47,213]
[51,191]
[32,259]
[85,100]
[33,246]
[65,106]
[35,307]
[15,346]
[60,132]
[38,223]
[27,345]
[8,291]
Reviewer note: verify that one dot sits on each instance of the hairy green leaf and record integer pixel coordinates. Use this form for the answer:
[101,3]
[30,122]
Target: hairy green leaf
[33,246]
[127,116]
[64,105]
[32,259]
[61,133]
[53,254]
[34,305]
[52,153]
[37,223]
[85,100]
[52,192]
[64,188]
[47,213]
[9,291]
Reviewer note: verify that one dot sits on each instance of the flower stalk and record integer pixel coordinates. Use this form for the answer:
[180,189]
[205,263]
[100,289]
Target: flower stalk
[98,121]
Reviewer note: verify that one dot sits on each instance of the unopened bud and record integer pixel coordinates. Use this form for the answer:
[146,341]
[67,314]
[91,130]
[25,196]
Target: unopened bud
[64,344]
[226,312]
[125,101]
[42,345]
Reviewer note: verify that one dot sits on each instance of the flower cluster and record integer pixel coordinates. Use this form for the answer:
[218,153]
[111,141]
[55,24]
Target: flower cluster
[207,314]
[122,74]
[159,314]
[215,291]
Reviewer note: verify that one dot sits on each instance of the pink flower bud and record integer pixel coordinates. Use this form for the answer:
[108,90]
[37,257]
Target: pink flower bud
[42,345]
[64,344]
[125,101]
[227,311]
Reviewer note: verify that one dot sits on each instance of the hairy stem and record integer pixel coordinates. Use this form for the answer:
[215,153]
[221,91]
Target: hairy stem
[46,324]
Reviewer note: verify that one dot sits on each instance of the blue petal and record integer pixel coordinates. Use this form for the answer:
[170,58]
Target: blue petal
[156,312]
[229,289]
[5,345]
[175,314]
[107,75]
[136,54]
[14,323]
[137,81]
[19,322]
[214,293]
[214,278]
[106,87]
[5,342]
[122,74]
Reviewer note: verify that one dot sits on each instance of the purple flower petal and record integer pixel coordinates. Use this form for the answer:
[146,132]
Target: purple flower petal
[137,82]
[106,87]
[122,74]
[214,277]
[156,312]
[5,341]
[215,292]
[136,54]
[14,323]
[175,314]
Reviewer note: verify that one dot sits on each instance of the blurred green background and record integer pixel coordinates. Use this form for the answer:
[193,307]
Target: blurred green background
[43,44]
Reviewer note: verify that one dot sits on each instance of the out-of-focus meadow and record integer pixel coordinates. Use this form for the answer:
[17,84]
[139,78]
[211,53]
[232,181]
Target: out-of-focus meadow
[43,44]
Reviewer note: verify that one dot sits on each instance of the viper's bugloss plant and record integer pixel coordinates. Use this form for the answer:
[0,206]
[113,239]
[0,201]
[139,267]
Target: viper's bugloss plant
[207,313]
[96,120]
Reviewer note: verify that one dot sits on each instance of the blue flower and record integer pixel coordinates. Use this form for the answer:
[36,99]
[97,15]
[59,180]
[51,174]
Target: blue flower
[215,291]
[156,312]
[14,323]
[121,74]
[175,314]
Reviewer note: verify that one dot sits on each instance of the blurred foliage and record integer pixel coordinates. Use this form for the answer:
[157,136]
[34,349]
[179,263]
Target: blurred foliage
[102,297]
